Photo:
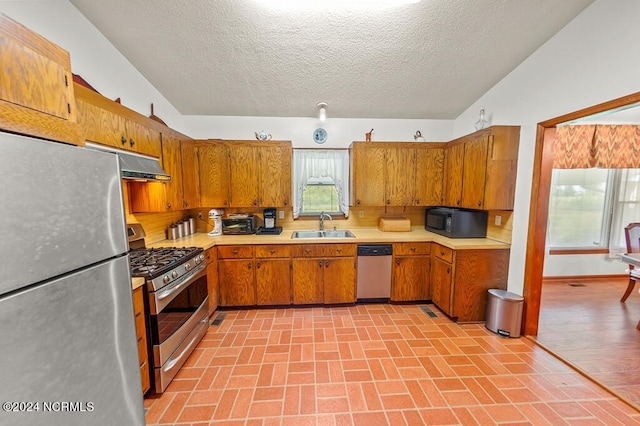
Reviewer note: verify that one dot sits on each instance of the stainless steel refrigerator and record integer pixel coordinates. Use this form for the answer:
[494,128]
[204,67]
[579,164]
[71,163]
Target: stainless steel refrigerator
[68,348]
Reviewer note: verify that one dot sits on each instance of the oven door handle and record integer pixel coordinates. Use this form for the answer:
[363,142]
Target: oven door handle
[185,280]
[175,359]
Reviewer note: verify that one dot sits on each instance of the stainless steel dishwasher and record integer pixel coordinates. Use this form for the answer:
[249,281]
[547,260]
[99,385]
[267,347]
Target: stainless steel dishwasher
[374,272]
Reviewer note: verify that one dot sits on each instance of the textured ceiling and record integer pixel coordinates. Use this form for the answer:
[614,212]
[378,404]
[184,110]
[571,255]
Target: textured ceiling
[428,60]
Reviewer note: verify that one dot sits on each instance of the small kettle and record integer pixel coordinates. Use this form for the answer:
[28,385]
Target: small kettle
[263,136]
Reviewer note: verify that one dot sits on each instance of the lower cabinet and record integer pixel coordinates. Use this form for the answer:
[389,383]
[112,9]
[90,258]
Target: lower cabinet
[411,266]
[141,334]
[324,273]
[212,279]
[254,275]
[460,280]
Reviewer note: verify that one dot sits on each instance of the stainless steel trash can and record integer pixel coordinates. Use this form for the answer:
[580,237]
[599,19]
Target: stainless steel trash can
[504,313]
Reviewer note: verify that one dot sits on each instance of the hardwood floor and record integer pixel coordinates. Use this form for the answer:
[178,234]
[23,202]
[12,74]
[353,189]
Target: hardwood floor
[585,323]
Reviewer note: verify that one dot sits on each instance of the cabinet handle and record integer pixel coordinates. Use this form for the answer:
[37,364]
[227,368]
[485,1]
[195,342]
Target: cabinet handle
[339,250]
[397,261]
[326,264]
[441,253]
[224,202]
[132,142]
[272,251]
[479,203]
[168,206]
[255,202]
[412,248]
[320,263]
[307,251]
[286,202]
[123,140]
[234,251]
[358,202]
[388,201]
[258,265]
[448,270]
[457,202]
[417,201]
[249,265]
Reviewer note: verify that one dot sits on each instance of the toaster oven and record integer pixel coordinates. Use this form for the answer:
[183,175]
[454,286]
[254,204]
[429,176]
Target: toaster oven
[239,225]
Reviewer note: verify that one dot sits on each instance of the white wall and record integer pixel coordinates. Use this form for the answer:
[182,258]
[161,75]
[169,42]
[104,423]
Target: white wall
[92,56]
[593,59]
[340,131]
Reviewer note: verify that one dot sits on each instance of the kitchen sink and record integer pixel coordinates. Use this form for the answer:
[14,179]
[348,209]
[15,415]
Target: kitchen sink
[337,233]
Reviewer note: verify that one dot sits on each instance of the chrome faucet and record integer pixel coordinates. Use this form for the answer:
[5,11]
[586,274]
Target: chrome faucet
[322,216]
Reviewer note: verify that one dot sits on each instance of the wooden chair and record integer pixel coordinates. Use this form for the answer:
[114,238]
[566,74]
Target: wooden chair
[632,237]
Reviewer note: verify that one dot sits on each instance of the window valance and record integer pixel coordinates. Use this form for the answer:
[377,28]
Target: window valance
[604,146]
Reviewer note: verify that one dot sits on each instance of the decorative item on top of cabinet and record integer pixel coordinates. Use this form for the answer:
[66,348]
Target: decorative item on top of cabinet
[396,174]
[36,90]
[480,169]
[460,280]
[411,267]
[324,273]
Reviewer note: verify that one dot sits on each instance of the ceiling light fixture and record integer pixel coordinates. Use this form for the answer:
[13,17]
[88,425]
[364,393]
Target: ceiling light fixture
[337,4]
[322,114]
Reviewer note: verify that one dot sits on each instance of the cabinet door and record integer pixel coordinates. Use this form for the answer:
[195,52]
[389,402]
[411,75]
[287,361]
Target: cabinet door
[429,177]
[144,140]
[474,174]
[35,73]
[212,279]
[502,164]
[101,126]
[275,176]
[172,164]
[190,172]
[441,282]
[411,278]
[213,165]
[273,281]
[454,158]
[400,176]
[236,278]
[340,280]
[308,281]
[141,334]
[244,185]
[367,175]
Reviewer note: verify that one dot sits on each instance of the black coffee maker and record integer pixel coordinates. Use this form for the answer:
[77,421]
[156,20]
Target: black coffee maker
[270,228]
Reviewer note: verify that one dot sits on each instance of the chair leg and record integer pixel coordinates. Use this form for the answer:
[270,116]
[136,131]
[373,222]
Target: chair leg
[628,291]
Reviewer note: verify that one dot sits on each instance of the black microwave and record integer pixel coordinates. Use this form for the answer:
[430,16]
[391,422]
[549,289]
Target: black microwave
[456,223]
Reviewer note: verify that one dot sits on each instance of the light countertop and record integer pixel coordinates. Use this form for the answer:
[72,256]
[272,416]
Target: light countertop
[136,282]
[363,236]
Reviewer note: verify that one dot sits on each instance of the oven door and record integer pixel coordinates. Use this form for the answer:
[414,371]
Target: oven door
[175,312]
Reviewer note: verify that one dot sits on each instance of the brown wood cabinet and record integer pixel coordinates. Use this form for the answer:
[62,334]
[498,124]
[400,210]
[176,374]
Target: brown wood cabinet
[460,280]
[190,174]
[244,173]
[411,272]
[254,275]
[324,273]
[109,123]
[141,334]
[480,169]
[36,90]
[396,174]
[212,278]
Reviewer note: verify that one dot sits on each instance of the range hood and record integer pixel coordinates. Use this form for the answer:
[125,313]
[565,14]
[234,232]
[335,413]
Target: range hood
[135,166]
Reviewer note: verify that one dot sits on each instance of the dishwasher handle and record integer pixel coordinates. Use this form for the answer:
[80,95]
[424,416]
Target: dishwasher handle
[375,250]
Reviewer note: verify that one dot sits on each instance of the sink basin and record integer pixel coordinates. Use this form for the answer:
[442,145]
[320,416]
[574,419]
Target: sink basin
[339,233]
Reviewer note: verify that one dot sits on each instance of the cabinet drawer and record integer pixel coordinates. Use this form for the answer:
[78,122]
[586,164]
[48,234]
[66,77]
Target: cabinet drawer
[338,250]
[146,379]
[307,250]
[142,349]
[141,330]
[138,302]
[273,251]
[442,252]
[235,252]
[410,249]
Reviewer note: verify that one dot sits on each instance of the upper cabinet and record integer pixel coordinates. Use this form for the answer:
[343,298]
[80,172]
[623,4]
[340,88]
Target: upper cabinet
[396,174]
[480,169]
[36,90]
[109,123]
[244,173]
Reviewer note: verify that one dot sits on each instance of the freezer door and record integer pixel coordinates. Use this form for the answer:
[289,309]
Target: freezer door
[61,209]
[72,340]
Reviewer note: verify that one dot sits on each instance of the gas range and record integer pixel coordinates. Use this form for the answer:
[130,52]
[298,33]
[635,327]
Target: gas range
[162,266]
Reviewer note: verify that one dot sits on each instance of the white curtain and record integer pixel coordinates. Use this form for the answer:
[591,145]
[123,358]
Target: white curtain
[320,163]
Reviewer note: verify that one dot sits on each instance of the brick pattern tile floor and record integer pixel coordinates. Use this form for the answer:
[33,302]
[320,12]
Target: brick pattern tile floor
[375,365]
